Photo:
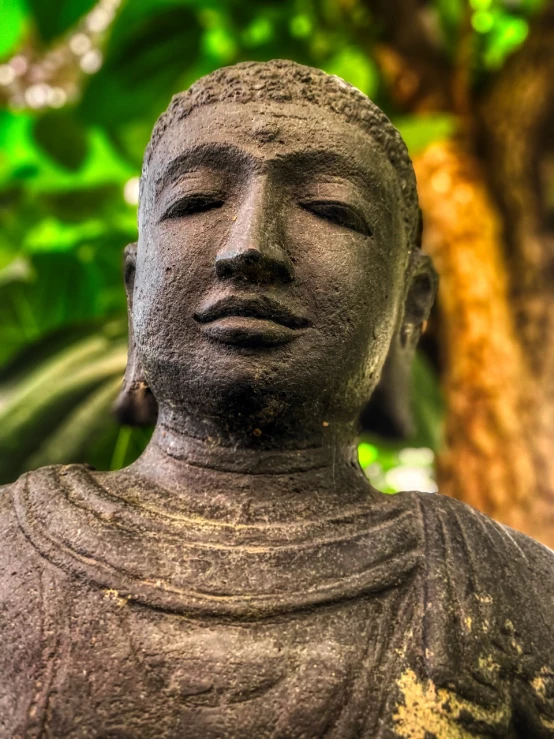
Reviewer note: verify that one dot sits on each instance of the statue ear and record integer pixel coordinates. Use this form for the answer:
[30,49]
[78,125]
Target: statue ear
[135,404]
[388,412]
[422,283]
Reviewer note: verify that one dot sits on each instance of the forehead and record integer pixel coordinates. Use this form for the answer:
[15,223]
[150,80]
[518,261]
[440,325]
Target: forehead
[296,137]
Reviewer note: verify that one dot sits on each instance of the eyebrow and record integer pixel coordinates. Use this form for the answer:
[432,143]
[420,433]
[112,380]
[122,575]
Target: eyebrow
[229,157]
[209,155]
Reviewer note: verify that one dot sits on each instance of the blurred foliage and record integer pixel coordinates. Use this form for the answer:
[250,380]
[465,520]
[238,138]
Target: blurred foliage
[64,217]
[499,26]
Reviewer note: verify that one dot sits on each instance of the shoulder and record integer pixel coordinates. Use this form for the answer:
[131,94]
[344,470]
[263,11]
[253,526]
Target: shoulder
[28,606]
[489,597]
[19,559]
[13,545]
[475,540]
[488,559]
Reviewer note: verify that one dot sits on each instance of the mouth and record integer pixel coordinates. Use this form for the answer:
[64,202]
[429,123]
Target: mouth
[250,322]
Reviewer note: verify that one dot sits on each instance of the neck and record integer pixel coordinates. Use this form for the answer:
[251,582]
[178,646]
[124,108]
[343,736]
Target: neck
[254,459]
[249,483]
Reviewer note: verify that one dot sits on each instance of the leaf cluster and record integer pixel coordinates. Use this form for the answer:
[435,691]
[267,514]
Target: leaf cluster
[66,176]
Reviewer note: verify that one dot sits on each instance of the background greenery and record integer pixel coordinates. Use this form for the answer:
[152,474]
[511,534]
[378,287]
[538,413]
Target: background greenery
[81,85]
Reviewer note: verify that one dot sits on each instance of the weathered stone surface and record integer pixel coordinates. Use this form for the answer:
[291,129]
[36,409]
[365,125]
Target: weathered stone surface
[242,578]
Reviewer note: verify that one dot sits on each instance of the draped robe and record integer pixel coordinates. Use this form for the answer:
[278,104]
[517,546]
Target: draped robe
[122,616]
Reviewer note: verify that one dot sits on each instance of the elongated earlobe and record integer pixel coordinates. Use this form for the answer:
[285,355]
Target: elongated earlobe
[135,404]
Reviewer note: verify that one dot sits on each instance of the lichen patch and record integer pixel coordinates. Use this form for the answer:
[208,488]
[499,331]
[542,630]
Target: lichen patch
[425,710]
[543,685]
[111,594]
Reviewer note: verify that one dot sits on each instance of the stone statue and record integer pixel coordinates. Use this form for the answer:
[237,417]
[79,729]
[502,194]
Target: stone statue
[242,578]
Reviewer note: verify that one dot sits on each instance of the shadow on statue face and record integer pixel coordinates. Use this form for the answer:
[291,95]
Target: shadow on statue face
[271,263]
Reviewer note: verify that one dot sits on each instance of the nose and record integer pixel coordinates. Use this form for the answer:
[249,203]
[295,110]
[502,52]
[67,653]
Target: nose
[254,248]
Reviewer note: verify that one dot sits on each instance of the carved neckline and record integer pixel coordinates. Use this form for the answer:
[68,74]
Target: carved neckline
[230,459]
[168,561]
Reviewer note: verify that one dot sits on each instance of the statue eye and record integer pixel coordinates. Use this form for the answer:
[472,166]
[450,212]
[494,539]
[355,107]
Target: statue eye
[339,213]
[192,204]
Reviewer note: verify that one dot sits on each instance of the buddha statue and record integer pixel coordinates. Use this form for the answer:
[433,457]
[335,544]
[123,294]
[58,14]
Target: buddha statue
[242,578]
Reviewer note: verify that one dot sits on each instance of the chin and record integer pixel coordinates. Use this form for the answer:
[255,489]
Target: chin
[210,378]
[244,384]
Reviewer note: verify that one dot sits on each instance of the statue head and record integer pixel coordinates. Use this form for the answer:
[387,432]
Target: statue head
[278,273]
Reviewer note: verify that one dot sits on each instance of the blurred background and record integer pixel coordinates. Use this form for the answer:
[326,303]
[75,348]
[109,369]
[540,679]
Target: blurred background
[470,85]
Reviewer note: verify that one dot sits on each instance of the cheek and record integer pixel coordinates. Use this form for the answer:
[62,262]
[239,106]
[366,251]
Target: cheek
[353,280]
[175,263]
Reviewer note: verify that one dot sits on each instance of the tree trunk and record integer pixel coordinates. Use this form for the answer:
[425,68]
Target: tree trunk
[488,460]
[517,123]
[486,226]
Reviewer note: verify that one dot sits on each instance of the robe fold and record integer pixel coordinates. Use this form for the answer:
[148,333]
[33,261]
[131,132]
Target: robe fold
[127,615]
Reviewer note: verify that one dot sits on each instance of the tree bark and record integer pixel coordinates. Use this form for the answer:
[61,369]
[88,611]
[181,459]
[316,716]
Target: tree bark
[488,460]
[516,123]
[486,226]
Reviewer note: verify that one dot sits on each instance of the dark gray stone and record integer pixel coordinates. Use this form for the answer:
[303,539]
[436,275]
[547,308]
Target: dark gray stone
[242,578]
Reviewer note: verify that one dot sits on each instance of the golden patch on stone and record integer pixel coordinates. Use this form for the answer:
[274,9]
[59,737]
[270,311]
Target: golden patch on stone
[427,710]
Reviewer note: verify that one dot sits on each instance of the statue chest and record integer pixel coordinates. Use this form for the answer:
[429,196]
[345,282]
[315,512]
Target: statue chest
[345,636]
[302,637]
[121,670]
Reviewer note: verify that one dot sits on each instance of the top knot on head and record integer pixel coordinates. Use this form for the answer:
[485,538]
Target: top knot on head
[283,81]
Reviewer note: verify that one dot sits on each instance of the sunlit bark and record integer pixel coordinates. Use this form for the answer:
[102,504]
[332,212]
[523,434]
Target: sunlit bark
[488,460]
[486,228]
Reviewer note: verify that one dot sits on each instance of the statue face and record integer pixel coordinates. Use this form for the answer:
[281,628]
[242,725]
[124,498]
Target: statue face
[271,261]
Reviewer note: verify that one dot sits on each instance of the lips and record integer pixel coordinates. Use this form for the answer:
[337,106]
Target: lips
[250,322]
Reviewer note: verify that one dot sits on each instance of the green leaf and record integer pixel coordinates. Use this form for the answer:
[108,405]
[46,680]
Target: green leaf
[51,234]
[18,147]
[367,454]
[81,205]
[23,159]
[68,442]
[219,44]
[352,65]
[427,405]
[54,18]
[422,130]
[63,138]
[259,32]
[508,33]
[530,7]
[17,269]
[13,22]
[147,54]
[450,15]
[56,399]
[301,25]
[62,288]
[64,397]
